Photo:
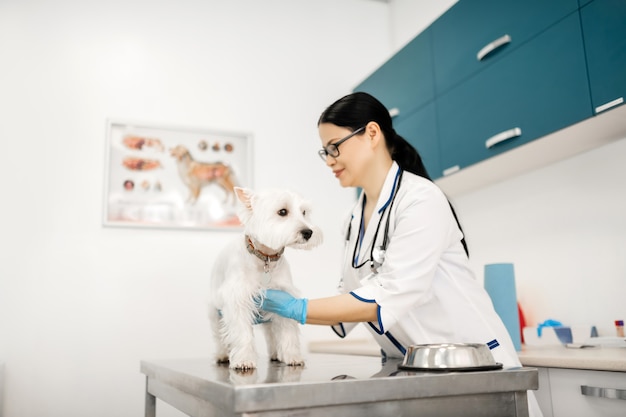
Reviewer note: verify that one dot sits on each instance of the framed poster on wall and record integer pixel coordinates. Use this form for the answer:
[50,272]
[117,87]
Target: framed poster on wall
[168,177]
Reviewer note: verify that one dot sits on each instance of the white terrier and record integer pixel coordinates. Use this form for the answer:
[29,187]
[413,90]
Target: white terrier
[273,220]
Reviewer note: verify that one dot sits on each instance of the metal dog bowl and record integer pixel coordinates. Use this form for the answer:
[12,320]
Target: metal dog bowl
[449,357]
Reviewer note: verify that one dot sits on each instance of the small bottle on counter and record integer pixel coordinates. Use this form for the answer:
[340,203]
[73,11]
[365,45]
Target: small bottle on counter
[619,328]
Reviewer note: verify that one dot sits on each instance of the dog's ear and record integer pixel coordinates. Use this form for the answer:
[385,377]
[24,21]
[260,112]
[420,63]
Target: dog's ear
[245,196]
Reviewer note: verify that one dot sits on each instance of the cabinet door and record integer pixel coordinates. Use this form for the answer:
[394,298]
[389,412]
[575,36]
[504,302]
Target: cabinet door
[604,30]
[568,400]
[538,89]
[419,128]
[543,394]
[405,82]
[471,25]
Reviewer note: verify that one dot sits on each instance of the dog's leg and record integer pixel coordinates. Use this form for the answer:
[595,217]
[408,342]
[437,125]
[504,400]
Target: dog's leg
[221,354]
[227,183]
[194,193]
[286,339]
[270,339]
[238,334]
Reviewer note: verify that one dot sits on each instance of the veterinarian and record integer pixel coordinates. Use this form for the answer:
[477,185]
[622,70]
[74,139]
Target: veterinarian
[406,270]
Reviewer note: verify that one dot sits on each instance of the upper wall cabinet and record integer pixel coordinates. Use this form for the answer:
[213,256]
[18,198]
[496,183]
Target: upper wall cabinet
[540,88]
[497,74]
[476,33]
[405,82]
[419,128]
[604,30]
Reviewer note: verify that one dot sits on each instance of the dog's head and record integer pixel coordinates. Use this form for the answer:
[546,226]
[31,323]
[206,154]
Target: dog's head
[179,152]
[277,219]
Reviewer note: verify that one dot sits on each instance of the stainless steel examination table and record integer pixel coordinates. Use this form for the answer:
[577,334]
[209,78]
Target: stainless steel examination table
[334,385]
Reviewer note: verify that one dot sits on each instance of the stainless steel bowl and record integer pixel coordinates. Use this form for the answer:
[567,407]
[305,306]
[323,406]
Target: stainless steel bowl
[449,357]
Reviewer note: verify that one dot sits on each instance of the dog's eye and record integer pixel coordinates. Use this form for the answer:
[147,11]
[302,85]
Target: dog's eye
[304,212]
[283,212]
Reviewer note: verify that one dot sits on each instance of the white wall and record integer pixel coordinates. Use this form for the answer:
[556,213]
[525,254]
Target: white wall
[410,17]
[80,304]
[564,229]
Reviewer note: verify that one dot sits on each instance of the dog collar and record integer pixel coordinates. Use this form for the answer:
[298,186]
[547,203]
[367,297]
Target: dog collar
[262,256]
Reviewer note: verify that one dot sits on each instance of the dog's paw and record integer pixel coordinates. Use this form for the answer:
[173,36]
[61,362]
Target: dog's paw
[296,361]
[221,359]
[244,365]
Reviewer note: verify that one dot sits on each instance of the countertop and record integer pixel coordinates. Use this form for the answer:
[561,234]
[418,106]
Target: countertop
[593,358]
[335,385]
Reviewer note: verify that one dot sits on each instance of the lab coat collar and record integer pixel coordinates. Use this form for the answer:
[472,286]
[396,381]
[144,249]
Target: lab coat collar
[389,187]
[384,200]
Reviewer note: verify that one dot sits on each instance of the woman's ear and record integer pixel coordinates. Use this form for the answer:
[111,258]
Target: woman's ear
[374,133]
[372,129]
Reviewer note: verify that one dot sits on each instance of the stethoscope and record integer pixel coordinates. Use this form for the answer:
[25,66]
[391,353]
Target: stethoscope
[377,253]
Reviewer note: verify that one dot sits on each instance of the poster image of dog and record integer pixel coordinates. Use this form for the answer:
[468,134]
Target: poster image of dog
[253,262]
[174,177]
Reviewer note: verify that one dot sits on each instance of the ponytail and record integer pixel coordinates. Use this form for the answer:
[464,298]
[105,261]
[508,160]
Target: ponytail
[410,160]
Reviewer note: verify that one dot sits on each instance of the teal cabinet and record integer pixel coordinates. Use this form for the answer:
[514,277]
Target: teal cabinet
[405,82]
[540,88]
[419,128]
[491,28]
[604,30]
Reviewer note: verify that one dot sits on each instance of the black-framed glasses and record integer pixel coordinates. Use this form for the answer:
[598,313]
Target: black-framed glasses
[333,148]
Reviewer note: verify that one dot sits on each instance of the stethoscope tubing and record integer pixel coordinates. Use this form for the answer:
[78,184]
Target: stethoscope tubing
[376,263]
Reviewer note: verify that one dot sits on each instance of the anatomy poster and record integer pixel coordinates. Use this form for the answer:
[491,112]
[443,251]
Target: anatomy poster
[174,177]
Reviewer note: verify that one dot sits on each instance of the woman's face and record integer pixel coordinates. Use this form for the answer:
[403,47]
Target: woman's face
[349,166]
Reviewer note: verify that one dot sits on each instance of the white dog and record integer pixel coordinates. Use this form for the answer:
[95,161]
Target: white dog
[273,220]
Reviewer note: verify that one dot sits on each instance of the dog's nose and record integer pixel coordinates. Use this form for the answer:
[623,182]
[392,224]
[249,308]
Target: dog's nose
[306,233]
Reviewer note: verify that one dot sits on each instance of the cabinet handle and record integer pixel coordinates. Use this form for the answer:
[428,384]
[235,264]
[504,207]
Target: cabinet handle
[610,104]
[492,46]
[394,112]
[612,393]
[503,136]
[451,170]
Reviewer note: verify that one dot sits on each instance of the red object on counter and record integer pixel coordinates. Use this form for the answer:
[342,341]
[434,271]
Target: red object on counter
[522,321]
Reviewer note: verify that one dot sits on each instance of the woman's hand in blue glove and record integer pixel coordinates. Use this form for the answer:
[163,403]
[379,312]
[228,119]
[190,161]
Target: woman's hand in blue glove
[286,305]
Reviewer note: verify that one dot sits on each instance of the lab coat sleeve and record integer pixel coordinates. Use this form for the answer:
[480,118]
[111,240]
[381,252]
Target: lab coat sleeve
[342,329]
[424,228]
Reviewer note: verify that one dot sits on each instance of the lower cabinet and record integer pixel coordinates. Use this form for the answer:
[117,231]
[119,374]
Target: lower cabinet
[581,393]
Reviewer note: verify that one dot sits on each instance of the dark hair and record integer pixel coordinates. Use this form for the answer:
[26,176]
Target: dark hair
[358,109]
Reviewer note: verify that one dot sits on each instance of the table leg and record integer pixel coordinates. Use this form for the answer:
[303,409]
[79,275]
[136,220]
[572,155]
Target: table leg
[150,408]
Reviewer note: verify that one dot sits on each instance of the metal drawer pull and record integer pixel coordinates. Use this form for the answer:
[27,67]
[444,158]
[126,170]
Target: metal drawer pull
[393,112]
[451,170]
[610,104]
[503,136]
[612,393]
[492,46]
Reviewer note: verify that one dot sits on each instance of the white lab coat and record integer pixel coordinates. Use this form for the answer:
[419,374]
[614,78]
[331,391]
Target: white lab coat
[425,289]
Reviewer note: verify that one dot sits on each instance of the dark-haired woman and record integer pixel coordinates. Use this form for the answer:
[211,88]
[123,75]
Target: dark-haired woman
[406,272]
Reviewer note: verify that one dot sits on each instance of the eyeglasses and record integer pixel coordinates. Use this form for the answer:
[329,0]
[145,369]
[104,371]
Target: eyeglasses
[333,148]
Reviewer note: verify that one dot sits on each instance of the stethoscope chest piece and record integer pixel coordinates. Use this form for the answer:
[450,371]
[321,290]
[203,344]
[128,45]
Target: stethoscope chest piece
[378,258]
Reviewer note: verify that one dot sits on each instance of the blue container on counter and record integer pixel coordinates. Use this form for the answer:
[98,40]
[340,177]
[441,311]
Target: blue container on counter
[500,284]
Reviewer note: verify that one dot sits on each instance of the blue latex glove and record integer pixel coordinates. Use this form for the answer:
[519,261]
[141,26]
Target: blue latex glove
[286,305]
[547,323]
